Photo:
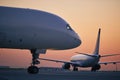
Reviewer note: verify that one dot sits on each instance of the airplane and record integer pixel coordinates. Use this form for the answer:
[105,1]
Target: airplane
[36,31]
[85,60]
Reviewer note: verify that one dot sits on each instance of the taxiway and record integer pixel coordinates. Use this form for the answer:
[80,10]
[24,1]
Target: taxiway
[58,75]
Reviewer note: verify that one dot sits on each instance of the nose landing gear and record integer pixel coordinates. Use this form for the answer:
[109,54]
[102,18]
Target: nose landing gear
[33,69]
[35,56]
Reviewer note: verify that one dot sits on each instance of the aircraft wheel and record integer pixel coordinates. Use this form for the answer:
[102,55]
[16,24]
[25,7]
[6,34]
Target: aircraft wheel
[33,70]
[93,70]
[75,69]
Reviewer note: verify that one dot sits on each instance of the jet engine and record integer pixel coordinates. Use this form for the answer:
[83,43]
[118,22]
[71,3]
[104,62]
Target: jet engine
[96,67]
[66,66]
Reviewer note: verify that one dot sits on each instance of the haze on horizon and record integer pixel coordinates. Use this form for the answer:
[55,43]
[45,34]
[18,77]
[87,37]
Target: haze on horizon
[85,17]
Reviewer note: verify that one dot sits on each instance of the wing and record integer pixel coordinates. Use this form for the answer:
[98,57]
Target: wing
[60,61]
[87,54]
[114,62]
[109,55]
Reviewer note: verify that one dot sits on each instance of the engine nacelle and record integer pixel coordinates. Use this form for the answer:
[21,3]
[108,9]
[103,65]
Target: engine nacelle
[96,67]
[66,66]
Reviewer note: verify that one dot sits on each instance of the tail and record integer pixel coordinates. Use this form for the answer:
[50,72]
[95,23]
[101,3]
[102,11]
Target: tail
[96,51]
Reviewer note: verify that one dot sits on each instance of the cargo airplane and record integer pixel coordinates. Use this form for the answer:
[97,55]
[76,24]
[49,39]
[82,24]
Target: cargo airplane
[36,31]
[85,60]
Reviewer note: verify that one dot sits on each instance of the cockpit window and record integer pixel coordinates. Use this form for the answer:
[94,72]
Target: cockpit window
[68,27]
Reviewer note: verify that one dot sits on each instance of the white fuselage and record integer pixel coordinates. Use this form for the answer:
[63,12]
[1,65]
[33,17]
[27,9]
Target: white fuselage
[84,60]
[33,29]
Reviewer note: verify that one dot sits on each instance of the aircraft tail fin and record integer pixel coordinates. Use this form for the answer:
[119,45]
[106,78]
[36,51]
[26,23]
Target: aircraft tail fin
[96,50]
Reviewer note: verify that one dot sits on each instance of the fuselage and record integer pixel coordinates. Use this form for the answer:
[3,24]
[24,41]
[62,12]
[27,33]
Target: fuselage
[35,29]
[84,60]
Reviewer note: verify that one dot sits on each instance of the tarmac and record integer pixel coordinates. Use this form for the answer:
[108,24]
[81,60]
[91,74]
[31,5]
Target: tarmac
[21,74]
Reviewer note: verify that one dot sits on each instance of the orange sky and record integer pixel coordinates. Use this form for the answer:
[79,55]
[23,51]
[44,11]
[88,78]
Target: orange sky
[85,17]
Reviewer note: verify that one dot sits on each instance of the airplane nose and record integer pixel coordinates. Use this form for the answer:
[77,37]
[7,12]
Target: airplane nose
[77,40]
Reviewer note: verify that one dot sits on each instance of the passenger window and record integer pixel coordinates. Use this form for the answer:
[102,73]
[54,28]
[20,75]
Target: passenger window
[68,27]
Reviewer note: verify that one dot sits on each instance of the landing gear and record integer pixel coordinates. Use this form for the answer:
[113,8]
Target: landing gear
[75,68]
[35,56]
[33,70]
[95,67]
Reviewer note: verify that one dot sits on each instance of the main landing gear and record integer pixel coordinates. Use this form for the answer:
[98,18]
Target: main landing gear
[35,56]
[75,68]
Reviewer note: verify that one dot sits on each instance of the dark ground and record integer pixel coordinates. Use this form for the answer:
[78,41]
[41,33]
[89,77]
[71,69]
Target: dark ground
[21,74]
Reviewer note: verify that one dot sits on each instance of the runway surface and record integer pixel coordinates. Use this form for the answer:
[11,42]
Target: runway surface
[58,75]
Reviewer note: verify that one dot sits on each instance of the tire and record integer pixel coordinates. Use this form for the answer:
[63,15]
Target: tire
[33,70]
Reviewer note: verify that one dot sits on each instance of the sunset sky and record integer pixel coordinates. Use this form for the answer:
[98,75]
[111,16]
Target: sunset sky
[85,17]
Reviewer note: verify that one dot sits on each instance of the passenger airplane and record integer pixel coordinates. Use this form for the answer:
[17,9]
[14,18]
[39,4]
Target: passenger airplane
[36,31]
[85,60]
